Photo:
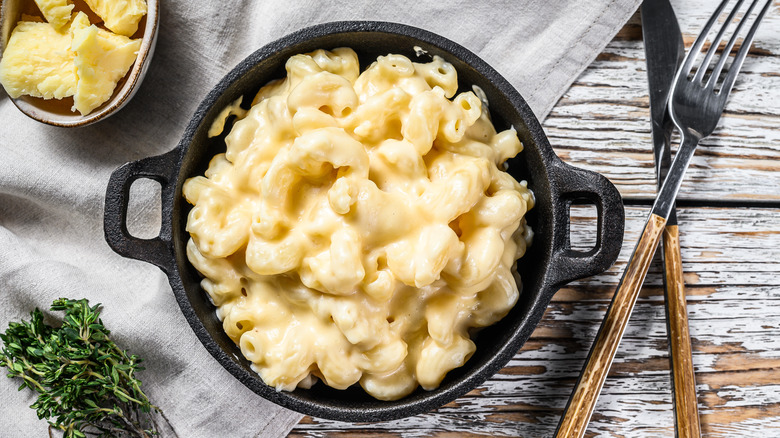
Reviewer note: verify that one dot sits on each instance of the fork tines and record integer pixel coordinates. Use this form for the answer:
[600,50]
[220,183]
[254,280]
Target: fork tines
[711,75]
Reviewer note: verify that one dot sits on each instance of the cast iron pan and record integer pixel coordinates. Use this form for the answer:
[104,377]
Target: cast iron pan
[549,263]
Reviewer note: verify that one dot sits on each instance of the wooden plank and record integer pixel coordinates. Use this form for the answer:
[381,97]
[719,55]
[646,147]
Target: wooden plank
[708,236]
[734,313]
[602,122]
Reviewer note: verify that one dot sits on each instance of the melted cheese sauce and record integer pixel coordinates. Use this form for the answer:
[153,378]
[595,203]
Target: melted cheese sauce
[360,225]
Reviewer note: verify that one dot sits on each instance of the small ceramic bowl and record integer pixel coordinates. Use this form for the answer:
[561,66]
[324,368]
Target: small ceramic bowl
[57,112]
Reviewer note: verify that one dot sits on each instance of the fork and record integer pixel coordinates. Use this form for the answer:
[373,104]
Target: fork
[695,106]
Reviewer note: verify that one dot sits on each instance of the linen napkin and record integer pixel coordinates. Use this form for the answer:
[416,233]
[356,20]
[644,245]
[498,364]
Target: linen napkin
[53,180]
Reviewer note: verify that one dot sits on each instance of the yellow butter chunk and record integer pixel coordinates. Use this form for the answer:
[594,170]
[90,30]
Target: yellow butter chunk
[102,59]
[38,62]
[57,12]
[121,16]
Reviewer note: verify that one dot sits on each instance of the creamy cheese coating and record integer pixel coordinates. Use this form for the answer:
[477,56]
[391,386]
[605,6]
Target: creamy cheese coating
[359,226]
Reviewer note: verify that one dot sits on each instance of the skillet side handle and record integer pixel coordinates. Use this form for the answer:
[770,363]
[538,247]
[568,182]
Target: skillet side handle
[578,184]
[158,250]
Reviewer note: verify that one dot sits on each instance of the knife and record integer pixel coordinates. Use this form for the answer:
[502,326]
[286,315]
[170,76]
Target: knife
[586,391]
[664,50]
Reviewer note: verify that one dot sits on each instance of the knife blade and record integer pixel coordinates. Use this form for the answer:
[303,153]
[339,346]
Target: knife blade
[664,50]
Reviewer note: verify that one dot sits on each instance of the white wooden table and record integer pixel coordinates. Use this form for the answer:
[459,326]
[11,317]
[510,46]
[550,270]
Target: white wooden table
[730,231]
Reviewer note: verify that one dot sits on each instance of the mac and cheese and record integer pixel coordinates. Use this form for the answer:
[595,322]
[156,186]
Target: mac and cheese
[359,225]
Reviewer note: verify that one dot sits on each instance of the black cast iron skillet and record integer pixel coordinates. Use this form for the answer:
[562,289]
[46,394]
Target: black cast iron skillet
[549,263]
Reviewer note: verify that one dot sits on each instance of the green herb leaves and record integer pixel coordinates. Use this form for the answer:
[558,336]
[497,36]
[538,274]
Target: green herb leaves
[86,385]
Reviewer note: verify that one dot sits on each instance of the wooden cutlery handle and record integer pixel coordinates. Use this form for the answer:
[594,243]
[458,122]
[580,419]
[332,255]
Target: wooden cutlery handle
[686,410]
[586,391]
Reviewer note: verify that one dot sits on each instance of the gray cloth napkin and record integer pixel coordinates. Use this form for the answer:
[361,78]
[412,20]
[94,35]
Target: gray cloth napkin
[53,180]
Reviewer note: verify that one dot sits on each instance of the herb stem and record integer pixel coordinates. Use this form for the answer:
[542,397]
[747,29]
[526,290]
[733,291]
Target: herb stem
[86,384]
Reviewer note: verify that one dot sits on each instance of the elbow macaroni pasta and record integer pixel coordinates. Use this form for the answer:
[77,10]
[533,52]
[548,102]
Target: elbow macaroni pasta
[359,225]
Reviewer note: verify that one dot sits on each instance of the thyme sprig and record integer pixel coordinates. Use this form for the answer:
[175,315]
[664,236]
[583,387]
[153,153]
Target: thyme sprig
[86,384]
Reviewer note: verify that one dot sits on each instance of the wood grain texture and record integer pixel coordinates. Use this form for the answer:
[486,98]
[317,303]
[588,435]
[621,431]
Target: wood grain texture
[602,122]
[578,411]
[730,258]
[686,410]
